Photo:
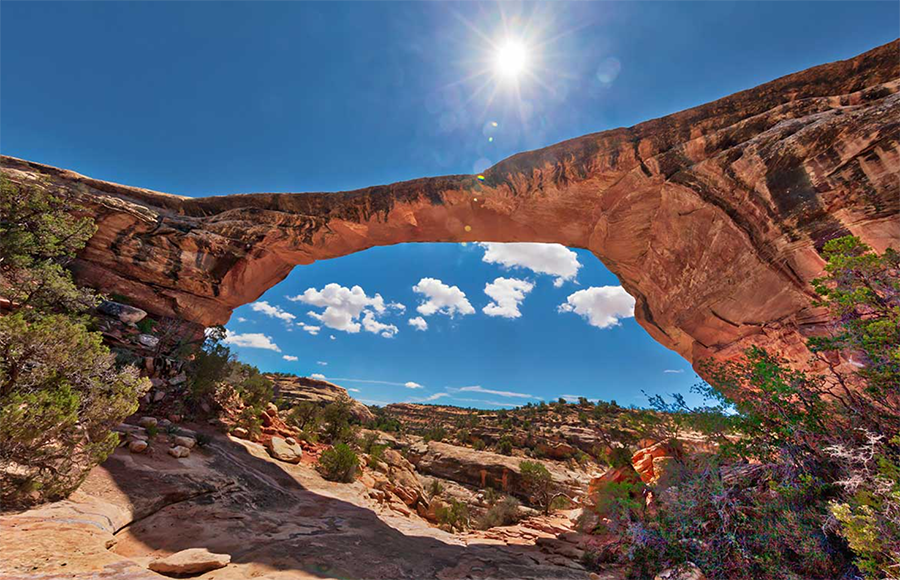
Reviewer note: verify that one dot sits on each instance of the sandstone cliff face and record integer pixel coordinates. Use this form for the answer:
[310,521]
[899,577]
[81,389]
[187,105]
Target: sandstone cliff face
[299,389]
[710,217]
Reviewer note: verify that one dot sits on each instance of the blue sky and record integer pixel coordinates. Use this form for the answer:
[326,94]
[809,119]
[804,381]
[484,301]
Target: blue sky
[213,98]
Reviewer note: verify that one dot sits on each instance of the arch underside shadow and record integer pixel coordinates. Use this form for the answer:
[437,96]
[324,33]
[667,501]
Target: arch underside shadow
[711,218]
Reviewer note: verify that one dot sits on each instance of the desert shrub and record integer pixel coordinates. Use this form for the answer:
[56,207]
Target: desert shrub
[376,455]
[336,418]
[339,463]
[435,488]
[383,421]
[250,419]
[478,445]
[505,445]
[254,389]
[538,484]
[434,433]
[502,512]
[454,514]
[60,395]
[367,442]
[210,367]
[203,439]
[828,506]
[214,367]
[305,416]
[61,391]
[869,511]
[152,431]
[39,235]
[774,531]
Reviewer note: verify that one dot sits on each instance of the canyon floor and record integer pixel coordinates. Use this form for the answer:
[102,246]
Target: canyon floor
[275,520]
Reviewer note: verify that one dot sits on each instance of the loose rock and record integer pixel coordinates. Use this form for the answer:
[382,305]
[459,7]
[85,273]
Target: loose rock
[179,452]
[148,422]
[138,446]
[281,450]
[191,561]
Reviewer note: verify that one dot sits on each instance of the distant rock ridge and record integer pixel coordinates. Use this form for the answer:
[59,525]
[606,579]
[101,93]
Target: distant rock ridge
[296,389]
[711,217]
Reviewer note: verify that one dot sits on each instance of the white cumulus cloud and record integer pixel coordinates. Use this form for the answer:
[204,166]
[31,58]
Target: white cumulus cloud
[418,323]
[601,306]
[552,259]
[371,325]
[289,358]
[318,376]
[412,385]
[272,311]
[507,295]
[250,340]
[344,306]
[441,298]
[313,330]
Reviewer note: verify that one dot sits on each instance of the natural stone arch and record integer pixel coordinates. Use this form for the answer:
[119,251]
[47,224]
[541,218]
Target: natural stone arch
[711,217]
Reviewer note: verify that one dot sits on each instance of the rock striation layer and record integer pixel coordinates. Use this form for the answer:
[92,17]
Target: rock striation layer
[711,217]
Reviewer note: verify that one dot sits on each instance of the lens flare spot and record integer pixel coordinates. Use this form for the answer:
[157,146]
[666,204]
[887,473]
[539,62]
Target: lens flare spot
[480,177]
[468,228]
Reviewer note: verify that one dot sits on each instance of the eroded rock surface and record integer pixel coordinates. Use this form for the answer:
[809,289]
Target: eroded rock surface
[272,519]
[482,469]
[710,217]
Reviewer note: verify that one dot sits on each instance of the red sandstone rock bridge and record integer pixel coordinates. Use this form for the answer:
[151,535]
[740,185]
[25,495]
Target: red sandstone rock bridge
[711,217]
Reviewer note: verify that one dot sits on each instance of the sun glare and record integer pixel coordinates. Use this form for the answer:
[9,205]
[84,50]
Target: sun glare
[511,59]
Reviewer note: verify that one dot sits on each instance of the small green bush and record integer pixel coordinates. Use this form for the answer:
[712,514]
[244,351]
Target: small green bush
[455,515]
[339,463]
[435,488]
[503,512]
[538,484]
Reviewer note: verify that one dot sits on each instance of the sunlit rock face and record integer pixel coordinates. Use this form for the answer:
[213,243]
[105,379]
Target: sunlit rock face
[712,217]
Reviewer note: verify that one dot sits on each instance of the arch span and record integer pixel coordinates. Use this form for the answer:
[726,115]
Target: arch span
[711,217]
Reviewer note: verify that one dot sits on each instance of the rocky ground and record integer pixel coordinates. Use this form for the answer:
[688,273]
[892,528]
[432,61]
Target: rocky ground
[266,519]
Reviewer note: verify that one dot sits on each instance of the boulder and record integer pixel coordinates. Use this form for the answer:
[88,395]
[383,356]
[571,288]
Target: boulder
[182,441]
[687,571]
[283,450]
[148,340]
[179,452]
[643,459]
[148,422]
[138,446]
[190,562]
[240,433]
[125,313]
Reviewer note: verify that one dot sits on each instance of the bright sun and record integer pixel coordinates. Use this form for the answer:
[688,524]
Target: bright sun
[511,59]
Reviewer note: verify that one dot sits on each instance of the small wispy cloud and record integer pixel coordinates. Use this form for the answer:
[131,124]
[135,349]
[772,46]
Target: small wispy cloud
[321,362]
[480,389]
[288,357]
[250,340]
[674,371]
[352,390]
[412,385]
[429,398]
[272,311]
